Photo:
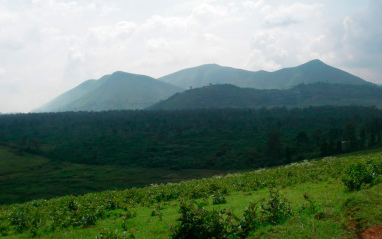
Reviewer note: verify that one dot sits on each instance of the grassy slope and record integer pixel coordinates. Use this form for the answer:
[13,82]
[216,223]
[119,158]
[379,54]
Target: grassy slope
[339,214]
[26,176]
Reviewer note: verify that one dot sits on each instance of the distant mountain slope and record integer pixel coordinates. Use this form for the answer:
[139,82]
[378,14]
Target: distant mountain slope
[117,91]
[310,72]
[317,94]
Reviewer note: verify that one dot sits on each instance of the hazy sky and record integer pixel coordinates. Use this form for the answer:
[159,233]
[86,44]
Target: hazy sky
[50,46]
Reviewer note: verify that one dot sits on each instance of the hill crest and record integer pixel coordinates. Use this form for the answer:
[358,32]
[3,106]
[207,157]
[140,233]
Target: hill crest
[309,72]
[117,91]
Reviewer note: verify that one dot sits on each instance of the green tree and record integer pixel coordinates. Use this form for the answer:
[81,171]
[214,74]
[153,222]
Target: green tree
[273,147]
[349,137]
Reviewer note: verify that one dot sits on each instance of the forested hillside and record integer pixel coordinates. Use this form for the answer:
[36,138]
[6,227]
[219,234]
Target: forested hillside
[212,139]
[230,96]
[117,91]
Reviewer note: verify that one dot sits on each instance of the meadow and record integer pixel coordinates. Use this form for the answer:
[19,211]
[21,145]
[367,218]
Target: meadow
[25,176]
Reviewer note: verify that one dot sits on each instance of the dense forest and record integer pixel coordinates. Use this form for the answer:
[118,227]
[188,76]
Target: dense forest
[316,94]
[219,138]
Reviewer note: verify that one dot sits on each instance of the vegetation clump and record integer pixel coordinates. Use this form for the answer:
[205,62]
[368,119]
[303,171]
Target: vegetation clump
[201,223]
[360,174]
[276,209]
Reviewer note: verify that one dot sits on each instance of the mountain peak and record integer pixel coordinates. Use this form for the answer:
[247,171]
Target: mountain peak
[117,91]
[315,62]
[309,72]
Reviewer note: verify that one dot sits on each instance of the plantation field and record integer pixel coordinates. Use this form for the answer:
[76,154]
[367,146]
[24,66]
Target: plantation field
[336,197]
[25,176]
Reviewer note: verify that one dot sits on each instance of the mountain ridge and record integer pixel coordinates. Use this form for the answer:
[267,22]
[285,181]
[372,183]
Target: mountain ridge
[117,91]
[230,96]
[309,72]
[121,90]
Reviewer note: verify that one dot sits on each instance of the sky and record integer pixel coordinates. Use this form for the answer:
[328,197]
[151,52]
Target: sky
[48,47]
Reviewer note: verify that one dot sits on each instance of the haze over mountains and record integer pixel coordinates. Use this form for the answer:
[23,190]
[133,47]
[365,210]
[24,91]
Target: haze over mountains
[310,72]
[122,90]
[117,91]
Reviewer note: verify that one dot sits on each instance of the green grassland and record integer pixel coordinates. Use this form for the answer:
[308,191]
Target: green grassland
[312,196]
[25,176]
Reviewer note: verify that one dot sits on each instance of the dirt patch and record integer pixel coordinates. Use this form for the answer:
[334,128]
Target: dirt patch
[372,233]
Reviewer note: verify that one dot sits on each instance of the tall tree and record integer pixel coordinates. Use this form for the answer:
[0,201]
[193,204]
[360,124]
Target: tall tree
[273,147]
[349,137]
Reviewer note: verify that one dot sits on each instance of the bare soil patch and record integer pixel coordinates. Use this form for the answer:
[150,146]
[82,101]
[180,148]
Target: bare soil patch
[373,233]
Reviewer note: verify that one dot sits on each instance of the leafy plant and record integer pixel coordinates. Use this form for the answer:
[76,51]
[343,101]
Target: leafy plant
[276,209]
[125,216]
[250,220]
[361,174]
[200,223]
[310,207]
[218,199]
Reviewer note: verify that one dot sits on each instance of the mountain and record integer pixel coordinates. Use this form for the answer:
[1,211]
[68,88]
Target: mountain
[117,91]
[316,94]
[310,72]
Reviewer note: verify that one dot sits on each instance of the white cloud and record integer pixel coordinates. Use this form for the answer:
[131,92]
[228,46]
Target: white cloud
[253,5]
[50,46]
[258,61]
[110,34]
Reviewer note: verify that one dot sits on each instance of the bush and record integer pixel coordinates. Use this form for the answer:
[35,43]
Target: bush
[218,199]
[276,209]
[360,174]
[200,223]
[250,220]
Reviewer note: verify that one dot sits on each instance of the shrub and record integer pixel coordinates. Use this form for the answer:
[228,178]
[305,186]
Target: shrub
[276,209]
[360,174]
[218,199]
[200,223]
[249,222]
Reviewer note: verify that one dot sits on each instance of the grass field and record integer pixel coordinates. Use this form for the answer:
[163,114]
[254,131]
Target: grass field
[330,199]
[24,177]
[320,205]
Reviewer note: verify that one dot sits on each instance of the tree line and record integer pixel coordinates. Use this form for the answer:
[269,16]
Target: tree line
[203,138]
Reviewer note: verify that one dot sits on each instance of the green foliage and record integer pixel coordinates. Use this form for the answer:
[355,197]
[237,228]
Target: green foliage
[360,174]
[250,220]
[218,199]
[276,209]
[201,223]
[125,217]
[310,207]
[84,213]
[225,139]
[230,96]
